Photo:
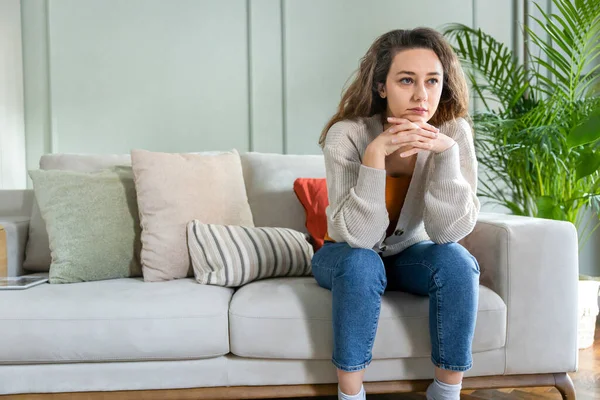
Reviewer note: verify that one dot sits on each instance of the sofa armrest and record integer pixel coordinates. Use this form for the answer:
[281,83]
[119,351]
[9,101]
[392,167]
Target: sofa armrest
[16,202]
[13,237]
[532,264]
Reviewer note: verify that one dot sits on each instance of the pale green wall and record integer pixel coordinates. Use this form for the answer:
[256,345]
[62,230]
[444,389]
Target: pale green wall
[105,76]
[170,76]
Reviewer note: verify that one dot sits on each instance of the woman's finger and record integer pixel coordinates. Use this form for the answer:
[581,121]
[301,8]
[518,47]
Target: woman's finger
[410,152]
[405,126]
[410,126]
[420,145]
[414,135]
[427,133]
[395,120]
[424,125]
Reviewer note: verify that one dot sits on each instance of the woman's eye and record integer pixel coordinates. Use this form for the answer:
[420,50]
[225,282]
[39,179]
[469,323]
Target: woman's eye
[433,81]
[406,80]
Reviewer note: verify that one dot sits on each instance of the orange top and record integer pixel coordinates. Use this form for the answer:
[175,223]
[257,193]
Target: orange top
[395,194]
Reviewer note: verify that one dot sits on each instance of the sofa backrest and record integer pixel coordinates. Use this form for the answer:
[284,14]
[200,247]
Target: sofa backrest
[269,182]
[16,203]
[83,162]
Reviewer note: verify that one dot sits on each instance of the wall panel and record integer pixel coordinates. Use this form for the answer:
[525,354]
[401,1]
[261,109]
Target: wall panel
[168,76]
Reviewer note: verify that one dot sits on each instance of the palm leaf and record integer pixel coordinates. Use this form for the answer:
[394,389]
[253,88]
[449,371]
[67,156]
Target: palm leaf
[493,61]
[576,32]
[587,164]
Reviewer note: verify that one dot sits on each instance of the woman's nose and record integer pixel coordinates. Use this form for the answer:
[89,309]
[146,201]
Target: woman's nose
[420,94]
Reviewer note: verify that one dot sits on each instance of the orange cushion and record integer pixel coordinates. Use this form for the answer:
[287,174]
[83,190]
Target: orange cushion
[312,193]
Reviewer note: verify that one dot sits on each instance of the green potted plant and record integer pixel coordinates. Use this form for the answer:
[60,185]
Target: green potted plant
[538,133]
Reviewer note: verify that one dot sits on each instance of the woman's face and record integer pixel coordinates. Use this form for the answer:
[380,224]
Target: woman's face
[413,86]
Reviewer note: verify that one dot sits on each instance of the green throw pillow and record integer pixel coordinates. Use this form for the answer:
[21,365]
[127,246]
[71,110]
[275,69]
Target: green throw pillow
[92,222]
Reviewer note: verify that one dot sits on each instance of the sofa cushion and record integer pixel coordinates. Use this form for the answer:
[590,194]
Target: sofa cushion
[290,318]
[114,320]
[269,182]
[173,189]
[312,194]
[38,257]
[232,256]
[92,222]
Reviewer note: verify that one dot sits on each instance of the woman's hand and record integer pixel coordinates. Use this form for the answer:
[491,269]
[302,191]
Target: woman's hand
[403,134]
[416,136]
[411,137]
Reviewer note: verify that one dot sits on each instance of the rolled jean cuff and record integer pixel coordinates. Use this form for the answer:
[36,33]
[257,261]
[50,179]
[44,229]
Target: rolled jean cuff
[353,368]
[459,368]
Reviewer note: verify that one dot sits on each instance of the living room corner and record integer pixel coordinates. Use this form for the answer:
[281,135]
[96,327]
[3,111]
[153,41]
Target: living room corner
[163,193]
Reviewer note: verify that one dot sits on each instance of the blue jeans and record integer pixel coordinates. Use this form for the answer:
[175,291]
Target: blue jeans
[357,278]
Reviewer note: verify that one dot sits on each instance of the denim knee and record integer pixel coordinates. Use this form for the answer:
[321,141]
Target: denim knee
[454,263]
[362,269]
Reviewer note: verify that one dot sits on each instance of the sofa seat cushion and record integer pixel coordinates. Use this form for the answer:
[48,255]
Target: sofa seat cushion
[290,318]
[114,320]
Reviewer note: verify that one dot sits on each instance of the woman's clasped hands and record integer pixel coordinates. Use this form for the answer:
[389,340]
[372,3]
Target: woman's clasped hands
[411,137]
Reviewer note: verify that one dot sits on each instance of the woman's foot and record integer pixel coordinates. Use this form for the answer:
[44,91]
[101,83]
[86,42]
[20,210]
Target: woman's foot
[361,395]
[443,391]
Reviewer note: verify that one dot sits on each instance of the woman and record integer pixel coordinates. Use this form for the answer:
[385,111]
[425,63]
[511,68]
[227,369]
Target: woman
[401,176]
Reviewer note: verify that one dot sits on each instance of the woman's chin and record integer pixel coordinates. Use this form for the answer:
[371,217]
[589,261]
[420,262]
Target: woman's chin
[416,117]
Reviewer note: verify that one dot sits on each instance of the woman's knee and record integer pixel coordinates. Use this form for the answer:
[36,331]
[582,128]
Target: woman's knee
[454,262]
[361,268]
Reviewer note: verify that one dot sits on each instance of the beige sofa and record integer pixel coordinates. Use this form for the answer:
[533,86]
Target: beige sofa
[273,338]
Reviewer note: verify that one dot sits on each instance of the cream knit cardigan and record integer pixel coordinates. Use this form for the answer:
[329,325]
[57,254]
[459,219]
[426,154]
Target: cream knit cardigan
[441,203]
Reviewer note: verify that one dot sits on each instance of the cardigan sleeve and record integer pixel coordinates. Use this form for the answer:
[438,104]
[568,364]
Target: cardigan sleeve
[451,203]
[357,213]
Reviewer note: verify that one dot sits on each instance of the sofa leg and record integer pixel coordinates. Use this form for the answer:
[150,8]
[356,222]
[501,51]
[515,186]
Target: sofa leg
[564,384]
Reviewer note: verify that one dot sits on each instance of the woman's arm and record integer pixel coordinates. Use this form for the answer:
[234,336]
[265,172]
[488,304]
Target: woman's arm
[451,204]
[357,213]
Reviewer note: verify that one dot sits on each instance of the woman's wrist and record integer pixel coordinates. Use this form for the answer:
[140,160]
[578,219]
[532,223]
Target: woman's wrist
[444,143]
[374,158]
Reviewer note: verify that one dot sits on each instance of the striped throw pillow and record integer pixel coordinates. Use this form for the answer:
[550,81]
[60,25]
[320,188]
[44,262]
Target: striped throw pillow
[232,255]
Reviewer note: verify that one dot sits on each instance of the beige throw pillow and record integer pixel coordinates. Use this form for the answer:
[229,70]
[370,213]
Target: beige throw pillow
[232,256]
[173,189]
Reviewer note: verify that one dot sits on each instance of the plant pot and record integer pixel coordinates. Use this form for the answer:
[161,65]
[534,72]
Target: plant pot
[588,311]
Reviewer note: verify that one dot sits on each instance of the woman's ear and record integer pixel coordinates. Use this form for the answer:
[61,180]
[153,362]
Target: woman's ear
[381,90]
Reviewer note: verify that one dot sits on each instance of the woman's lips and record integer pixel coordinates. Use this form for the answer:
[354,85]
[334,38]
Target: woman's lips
[418,110]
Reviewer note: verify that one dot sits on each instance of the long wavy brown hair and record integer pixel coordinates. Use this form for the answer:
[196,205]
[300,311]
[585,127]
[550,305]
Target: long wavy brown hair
[361,98]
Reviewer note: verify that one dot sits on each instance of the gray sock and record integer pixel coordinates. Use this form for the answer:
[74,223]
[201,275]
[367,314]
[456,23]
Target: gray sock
[359,396]
[443,391]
